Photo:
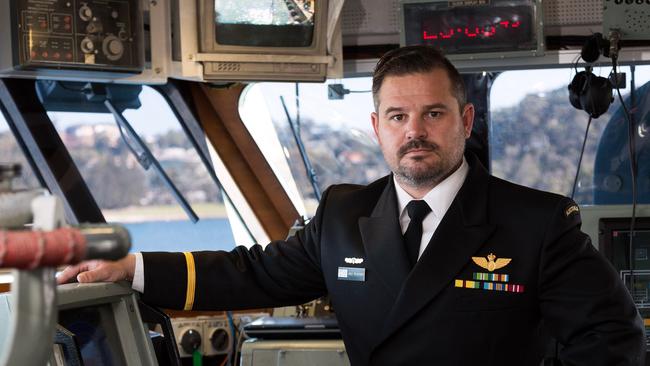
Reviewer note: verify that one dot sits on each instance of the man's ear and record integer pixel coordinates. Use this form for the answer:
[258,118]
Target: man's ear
[468,119]
[374,117]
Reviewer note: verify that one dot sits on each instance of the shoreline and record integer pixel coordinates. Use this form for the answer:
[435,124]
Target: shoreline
[136,214]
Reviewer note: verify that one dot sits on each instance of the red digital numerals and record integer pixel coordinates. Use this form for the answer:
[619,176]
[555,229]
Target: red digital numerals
[485,32]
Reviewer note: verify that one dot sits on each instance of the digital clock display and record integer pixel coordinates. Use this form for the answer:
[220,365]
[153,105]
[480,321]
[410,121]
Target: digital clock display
[464,29]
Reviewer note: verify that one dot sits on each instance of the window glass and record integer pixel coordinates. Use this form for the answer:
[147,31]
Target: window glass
[11,153]
[536,136]
[138,198]
[337,134]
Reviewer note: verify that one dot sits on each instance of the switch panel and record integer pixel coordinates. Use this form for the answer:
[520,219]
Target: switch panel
[94,35]
[189,335]
[218,338]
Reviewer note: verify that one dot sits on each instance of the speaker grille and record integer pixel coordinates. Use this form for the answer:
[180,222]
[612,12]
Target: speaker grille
[572,12]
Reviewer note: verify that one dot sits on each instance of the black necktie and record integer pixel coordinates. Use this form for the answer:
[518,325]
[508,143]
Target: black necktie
[417,211]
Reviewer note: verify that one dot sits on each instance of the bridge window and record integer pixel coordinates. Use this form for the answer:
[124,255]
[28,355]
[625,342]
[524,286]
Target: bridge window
[10,153]
[138,198]
[336,133]
[536,136]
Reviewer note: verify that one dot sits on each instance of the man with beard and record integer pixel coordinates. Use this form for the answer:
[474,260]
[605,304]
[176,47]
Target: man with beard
[438,263]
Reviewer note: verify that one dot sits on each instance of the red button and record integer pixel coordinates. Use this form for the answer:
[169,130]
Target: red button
[32,54]
[68,56]
[45,54]
[56,55]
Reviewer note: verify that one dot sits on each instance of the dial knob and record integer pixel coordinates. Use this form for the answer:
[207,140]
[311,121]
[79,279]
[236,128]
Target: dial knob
[219,340]
[190,341]
[87,45]
[113,48]
[85,13]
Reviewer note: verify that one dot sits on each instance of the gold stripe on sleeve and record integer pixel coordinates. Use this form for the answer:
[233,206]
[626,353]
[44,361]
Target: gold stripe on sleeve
[191,281]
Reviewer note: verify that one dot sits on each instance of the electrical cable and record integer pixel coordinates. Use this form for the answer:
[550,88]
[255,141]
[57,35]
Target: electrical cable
[240,339]
[582,151]
[232,354]
[223,363]
[633,171]
[197,358]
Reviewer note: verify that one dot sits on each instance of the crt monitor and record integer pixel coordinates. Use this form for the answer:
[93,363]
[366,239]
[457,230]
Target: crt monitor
[257,39]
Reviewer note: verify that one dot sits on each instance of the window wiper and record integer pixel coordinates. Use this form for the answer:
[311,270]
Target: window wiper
[146,159]
[295,129]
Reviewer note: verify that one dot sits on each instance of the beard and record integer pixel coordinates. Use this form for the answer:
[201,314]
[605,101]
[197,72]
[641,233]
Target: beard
[420,173]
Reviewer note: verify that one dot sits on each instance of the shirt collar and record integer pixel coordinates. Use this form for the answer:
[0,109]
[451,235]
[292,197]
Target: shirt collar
[440,197]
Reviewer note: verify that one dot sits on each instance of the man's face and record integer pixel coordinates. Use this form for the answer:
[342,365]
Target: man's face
[420,128]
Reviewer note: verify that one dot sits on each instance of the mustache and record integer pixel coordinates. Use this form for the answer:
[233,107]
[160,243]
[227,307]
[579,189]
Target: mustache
[416,145]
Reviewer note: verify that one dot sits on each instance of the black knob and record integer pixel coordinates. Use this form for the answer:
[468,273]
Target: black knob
[219,340]
[190,341]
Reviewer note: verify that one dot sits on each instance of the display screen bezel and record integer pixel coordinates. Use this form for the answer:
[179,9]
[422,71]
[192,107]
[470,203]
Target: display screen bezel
[410,26]
[209,43]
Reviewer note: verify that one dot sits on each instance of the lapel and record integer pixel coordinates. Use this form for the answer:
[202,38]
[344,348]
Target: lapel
[382,240]
[462,231]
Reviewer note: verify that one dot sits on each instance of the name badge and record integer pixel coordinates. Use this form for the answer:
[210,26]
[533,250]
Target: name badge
[352,274]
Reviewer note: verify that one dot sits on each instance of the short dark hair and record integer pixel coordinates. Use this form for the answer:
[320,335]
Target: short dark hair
[416,59]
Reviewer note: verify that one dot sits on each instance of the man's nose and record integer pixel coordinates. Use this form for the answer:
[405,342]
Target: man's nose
[415,129]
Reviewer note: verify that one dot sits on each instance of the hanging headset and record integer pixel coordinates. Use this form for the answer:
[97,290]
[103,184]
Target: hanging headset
[587,91]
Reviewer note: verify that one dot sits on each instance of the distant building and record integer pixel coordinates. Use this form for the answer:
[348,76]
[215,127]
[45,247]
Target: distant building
[88,135]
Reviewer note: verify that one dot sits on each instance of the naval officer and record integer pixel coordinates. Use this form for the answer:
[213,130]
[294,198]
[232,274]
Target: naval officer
[437,263]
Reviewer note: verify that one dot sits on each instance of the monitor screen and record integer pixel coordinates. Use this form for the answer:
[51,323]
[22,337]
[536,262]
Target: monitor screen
[621,249]
[614,242]
[95,333]
[275,23]
[271,40]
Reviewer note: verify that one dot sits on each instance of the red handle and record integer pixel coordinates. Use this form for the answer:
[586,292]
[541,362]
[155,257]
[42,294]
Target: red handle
[34,249]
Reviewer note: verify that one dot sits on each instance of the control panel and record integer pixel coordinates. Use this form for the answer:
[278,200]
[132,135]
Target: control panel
[210,335]
[218,338]
[628,17]
[99,35]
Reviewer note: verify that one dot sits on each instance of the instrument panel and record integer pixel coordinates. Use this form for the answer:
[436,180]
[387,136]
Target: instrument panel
[104,35]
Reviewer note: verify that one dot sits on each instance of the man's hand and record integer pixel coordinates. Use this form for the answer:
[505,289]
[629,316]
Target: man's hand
[99,271]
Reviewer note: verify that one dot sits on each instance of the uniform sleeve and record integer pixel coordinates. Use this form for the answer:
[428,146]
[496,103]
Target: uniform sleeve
[582,300]
[285,272]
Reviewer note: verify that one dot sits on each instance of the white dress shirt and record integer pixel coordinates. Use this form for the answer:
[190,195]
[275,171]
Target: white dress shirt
[138,274]
[439,199]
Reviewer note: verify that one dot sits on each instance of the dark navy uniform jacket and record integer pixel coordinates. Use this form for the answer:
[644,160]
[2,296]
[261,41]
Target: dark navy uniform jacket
[459,305]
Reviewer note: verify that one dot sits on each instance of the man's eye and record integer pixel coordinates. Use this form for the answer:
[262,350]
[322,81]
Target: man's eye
[397,117]
[434,114]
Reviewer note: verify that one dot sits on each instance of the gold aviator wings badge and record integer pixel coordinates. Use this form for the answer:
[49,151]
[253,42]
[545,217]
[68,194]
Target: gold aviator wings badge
[490,263]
